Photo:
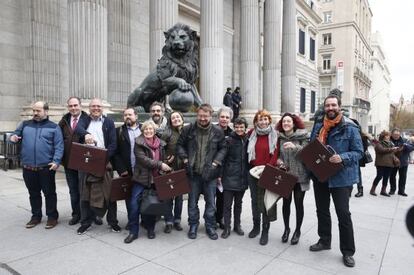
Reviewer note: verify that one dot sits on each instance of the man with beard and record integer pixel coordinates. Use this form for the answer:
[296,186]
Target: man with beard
[98,130]
[201,147]
[124,158]
[68,124]
[157,115]
[342,134]
[41,154]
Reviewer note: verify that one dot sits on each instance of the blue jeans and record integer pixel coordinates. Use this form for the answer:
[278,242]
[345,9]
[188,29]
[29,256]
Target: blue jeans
[134,204]
[72,179]
[37,182]
[198,186]
[177,203]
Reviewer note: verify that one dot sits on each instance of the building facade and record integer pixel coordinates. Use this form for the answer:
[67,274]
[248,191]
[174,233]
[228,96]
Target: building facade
[53,49]
[379,117]
[345,54]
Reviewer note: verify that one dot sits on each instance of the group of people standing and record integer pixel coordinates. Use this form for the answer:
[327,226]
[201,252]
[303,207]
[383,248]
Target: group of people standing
[233,100]
[217,160]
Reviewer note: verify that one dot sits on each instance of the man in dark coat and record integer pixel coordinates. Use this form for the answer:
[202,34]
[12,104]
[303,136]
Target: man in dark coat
[404,156]
[237,101]
[227,99]
[124,158]
[68,124]
[98,130]
[201,147]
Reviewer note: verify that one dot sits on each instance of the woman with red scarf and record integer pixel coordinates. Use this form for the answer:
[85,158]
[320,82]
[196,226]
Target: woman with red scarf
[149,153]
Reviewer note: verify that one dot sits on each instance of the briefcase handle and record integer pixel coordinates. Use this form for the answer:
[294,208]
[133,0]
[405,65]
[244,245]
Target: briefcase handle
[331,149]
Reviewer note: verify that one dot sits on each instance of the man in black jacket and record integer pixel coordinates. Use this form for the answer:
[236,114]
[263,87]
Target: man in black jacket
[124,158]
[227,99]
[201,147]
[98,130]
[68,124]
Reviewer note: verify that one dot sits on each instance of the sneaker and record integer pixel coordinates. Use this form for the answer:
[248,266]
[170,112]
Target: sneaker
[83,229]
[32,223]
[116,228]
[51,223]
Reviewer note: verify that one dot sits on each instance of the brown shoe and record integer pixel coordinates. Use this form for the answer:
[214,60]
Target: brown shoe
[51,223]
[32,223]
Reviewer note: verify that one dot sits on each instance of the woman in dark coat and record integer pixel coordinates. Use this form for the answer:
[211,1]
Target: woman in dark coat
[149,153]
[234,176]
[170,136]
[385,160]
[292,138]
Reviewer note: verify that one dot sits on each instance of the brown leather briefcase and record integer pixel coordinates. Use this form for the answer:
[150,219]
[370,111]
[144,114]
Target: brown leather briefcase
[87,158]
[172,184]
[315,156]
[121,188]
[277,181]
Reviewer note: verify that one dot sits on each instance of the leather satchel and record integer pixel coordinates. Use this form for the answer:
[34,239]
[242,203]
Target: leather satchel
[315,156]
[88,159]
[172,184]
[121,188]
[151,205]
[277,181]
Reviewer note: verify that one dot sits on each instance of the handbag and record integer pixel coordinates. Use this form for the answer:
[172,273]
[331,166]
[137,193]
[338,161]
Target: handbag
[367,157]
[151,205]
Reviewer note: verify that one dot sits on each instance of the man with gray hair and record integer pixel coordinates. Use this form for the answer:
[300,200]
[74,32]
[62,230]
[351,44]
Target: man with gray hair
[157,111]
[41,154]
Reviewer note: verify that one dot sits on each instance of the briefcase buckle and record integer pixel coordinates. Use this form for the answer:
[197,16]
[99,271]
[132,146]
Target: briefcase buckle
[171,183]
[278,179]
[320,159]
[87,156]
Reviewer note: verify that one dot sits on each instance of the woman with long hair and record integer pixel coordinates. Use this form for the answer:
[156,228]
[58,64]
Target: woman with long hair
[292,138]
[170,136]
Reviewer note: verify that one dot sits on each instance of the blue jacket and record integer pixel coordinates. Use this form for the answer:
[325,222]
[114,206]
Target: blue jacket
[404,155]
[108,129]
[346,141]
[42,142]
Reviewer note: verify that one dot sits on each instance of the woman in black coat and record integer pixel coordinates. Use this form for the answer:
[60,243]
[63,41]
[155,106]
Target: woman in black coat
[234,176]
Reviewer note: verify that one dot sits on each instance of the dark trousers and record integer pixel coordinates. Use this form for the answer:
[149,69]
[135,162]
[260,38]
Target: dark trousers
[402,173]
[72,178]
[88,214]
[208,188]
[256,213]
[299,195]
[359,184]
[340,196]
[37,182]
[175,210]
[219,205]
[382,173]
[228,197]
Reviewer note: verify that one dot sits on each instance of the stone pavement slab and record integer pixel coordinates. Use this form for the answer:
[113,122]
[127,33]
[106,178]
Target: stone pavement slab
[383,245]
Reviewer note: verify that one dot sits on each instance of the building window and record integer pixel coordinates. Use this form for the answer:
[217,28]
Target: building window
[327,39]
[312,49]
[326,62]
[327,17]
[313,101]
[302,100]
[301,42]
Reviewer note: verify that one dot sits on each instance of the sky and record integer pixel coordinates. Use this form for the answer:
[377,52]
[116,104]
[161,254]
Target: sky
[394,20]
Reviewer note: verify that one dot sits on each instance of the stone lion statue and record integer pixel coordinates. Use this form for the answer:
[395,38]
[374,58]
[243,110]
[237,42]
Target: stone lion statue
[175,74]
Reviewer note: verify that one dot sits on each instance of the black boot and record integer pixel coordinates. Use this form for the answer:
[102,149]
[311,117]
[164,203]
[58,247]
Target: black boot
[264,238]
[285,236]
[238,230]
[256,229]
[226,233]
[360,192]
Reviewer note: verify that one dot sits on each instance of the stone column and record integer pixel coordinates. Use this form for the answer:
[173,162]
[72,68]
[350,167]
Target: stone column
[88,48]
[271,55]
[211,52]
[249,55]
[289,56]
[163,15]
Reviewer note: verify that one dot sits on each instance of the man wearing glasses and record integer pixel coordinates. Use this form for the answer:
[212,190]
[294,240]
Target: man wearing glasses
[157,115]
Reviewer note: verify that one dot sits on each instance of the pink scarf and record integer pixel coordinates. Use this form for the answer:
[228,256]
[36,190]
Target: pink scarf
[154,145]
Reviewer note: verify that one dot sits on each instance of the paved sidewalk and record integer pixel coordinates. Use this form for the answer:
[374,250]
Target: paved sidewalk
[383,245]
